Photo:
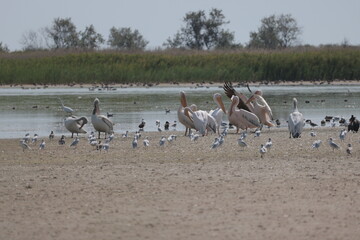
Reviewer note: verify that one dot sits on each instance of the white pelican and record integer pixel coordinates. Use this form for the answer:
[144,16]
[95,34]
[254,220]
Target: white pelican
[241,118]
[333,145]
[261,109]
[295,122]
[100,122]
[65,108]
[181,115]
[75,124]
[219,112]
[199,118]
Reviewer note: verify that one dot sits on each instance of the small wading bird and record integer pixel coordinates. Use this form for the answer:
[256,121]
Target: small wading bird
[24,145]
[262,150]
[162,141]
[349,149]
[268,144]
[66,109]
[316,144]
[295,122]
[342,135]
[242,143]
[52,135]
[42,144]
[100,122]
[146,142]
[333,145]
[62,140]
[75,124]
[75,142]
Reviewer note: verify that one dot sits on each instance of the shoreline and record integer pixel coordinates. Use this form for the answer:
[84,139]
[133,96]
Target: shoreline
[175,84]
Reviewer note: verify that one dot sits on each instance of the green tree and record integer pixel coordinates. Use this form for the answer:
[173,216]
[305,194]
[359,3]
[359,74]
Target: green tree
[3,48]
[126,39]
[275,32]
[202,32]
[63,34]
[90,39]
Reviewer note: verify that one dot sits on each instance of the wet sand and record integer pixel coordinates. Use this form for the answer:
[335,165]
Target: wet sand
[184,190]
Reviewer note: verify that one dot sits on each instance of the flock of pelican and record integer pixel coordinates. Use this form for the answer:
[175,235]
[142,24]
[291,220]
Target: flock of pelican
[244,113]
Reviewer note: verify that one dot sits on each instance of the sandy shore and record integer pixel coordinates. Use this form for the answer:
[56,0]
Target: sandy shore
[183,190]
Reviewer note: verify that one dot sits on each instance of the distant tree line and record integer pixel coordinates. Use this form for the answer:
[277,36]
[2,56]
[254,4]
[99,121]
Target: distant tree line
[200,31]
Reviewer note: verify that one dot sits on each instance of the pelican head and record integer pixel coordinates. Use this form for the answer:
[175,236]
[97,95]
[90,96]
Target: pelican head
[218,100]
[96,106]
[183,99]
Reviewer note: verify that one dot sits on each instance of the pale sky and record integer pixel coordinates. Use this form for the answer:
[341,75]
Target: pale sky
[322,21]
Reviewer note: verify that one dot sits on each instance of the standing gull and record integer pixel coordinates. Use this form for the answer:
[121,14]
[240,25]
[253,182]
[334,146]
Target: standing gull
[333,145]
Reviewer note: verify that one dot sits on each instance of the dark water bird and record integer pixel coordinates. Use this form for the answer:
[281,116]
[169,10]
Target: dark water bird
[166,125]
[278,123]
[52,135]
[142,124]
[62,140]
[109,114]
[311,123]
[353,124]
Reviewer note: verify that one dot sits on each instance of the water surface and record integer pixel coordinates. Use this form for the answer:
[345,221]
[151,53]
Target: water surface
[39,111]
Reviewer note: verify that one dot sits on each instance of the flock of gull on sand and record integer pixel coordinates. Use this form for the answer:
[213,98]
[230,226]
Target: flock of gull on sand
[244,113]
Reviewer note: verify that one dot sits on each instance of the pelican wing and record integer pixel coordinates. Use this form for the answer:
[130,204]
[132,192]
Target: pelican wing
[107,121]
[200,119]
[296,124]
[230,91]
[251,119]
[212,123]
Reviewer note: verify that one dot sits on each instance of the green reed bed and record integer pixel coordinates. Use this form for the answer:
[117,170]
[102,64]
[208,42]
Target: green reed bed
[162,67]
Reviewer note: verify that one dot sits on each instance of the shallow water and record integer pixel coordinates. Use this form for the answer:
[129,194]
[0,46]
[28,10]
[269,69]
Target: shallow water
[39,111]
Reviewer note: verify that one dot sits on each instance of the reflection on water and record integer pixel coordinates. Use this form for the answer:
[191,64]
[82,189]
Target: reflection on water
[39,110]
